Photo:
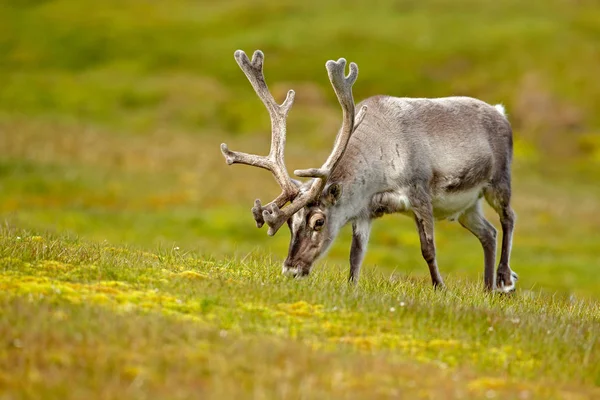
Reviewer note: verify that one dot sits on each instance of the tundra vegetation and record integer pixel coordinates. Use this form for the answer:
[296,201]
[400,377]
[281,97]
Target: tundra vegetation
[129,263]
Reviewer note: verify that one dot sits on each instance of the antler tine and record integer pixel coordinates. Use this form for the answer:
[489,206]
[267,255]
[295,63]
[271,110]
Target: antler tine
[274,162]
[342,85]
[253,69]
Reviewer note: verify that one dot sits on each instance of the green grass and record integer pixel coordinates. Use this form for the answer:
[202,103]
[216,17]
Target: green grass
[107,320]
[142,66]
[130,265]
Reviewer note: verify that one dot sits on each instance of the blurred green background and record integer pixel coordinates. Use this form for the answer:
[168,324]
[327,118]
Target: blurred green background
[111,113]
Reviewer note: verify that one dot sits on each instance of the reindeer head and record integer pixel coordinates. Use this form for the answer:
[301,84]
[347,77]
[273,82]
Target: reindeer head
[305,207]
[313,228]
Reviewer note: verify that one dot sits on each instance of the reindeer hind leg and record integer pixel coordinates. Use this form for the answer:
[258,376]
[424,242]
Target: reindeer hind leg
[475,222]
[498,196]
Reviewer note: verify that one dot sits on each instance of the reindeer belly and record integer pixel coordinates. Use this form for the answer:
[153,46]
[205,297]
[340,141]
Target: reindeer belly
[449,205]
[455,188]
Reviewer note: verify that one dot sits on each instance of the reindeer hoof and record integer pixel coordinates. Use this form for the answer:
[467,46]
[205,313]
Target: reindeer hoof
[504,285]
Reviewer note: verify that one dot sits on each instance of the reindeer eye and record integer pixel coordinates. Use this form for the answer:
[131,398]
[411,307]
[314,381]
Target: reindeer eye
[317,221]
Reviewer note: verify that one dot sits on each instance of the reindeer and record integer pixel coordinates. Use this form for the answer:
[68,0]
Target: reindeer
[430,159]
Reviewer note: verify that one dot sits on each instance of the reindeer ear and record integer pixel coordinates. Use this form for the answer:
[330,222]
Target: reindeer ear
[332,194]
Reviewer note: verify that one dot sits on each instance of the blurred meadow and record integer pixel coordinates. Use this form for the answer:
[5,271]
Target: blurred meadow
[111,116]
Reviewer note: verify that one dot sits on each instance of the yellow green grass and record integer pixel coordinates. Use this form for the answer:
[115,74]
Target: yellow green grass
[90,318]
[130,266]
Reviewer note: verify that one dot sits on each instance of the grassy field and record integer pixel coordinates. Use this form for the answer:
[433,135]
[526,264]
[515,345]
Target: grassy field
[96,320]
[130,265]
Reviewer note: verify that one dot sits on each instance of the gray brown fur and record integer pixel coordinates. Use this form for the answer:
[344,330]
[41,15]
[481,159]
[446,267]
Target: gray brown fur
[430,159]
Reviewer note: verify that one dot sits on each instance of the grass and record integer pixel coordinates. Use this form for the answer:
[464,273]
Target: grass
[109,320]
[129,262]
[143,66]
[136,190]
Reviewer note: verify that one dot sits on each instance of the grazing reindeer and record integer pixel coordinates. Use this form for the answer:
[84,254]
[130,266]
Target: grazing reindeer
[426,158]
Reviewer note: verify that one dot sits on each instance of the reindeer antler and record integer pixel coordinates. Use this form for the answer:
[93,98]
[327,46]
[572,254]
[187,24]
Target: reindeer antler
[273,162]
[342,85]
[277,212]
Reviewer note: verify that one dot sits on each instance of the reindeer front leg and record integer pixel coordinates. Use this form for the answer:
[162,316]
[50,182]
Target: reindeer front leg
[361,229]
[423,212]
